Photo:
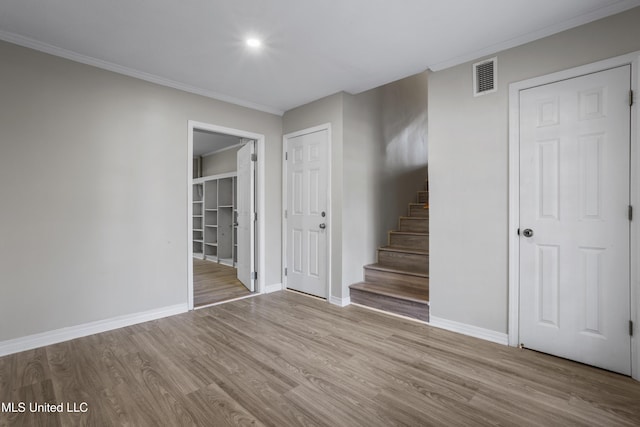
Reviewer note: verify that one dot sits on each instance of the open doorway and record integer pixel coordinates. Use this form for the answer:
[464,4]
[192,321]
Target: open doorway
[222,214]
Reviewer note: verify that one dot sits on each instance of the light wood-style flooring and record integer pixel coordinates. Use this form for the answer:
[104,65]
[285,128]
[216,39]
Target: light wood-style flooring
[284,359]
[213,282]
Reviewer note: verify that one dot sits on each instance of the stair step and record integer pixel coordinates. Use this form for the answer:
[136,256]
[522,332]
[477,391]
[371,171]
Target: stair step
[423,196]
[379,273]
[415,224]
[407,293]
[409,239]
[418,210]
[395,299]
[404,258]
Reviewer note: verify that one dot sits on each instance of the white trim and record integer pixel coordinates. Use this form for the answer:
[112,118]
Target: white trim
[110,66]
[635,224]
[632,59]
[261,224]
[535,35]
[190,181]
[470,330]
[285,141]
[216,176]
[273,288]
[340,302]
[29,342]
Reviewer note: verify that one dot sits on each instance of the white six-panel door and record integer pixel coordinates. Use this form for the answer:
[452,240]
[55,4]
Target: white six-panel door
[306,210]
[574,226]
[245,216]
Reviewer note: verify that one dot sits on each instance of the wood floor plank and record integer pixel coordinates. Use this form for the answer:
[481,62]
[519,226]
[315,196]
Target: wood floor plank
[213,282]
[212,403]
[284,359]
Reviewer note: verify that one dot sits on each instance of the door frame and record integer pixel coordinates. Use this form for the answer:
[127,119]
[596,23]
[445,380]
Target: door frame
[260,263]
[285,143]
[632,59]
[252,208]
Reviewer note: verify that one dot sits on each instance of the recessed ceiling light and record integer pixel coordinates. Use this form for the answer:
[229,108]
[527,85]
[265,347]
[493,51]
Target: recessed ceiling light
[253,42]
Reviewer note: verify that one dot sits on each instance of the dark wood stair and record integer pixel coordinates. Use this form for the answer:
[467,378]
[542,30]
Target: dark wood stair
[399,281]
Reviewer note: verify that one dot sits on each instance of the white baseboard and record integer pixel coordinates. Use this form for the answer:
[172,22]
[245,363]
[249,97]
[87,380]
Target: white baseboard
[29,342]
[273,288]
[341,302]
[473,331]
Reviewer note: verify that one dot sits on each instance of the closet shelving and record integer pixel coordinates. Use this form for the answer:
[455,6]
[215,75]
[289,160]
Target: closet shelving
[217,219]
[198,220]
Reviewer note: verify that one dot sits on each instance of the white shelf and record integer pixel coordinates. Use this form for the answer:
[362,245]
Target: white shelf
[213,217]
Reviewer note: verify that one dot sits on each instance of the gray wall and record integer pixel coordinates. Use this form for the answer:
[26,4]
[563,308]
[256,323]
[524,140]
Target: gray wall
[468,173]
[363,201]
[405,155]
[221,162]
[93,190]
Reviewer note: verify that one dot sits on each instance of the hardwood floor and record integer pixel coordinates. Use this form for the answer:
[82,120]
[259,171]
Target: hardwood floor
[288,360]
[213,282]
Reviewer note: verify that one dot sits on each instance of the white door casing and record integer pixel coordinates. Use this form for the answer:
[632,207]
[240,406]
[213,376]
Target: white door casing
[574,271]
[245,220]
[260,238]
[306,211]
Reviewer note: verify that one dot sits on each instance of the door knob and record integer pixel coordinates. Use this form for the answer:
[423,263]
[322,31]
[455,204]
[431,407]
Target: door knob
[527,232]
[323,226]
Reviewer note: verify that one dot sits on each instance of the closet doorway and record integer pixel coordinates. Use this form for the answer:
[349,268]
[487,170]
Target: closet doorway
[223,214]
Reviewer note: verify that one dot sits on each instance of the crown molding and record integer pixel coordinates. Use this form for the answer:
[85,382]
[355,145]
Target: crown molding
[539,34]
[148,77]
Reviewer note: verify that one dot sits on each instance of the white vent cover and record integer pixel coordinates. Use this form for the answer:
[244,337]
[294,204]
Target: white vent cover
[485,77]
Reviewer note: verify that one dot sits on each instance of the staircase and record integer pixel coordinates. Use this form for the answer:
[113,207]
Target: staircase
[399,281]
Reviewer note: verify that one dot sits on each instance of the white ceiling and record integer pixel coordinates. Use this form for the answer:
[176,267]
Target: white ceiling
[311,48]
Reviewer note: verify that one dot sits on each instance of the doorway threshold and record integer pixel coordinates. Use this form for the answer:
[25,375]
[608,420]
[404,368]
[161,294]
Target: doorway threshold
[226,301]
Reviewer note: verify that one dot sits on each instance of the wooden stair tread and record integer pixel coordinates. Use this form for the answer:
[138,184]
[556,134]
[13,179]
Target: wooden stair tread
[405,293]
[391,269]
[399,281]
[404,249]
[409,233]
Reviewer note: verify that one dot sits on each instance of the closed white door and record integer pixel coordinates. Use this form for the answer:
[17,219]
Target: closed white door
[245,219]
[306,213]
[574,225]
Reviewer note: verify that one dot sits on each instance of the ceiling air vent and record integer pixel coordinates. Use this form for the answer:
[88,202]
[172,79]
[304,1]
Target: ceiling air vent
[485,77]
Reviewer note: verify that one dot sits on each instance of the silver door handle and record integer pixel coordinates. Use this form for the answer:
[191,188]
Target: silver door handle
[527,232]
[323,226]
